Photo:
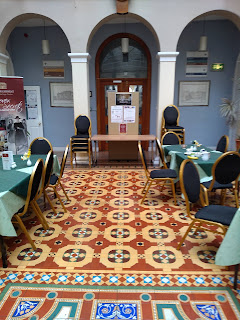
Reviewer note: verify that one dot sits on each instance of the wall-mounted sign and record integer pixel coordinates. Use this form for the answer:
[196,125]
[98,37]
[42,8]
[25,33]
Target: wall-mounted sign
[53,69]
[197,64]
[217,67]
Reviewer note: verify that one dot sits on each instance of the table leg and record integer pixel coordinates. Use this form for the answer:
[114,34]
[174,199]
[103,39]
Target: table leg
[4,252]
[236,276]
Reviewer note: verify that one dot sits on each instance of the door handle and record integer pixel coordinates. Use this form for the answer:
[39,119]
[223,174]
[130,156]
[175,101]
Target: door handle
[39,123]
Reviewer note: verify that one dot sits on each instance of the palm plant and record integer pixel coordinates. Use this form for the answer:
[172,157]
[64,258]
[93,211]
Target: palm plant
[229,110]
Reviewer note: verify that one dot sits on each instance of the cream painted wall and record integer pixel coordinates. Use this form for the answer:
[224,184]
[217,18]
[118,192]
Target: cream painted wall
[78,18]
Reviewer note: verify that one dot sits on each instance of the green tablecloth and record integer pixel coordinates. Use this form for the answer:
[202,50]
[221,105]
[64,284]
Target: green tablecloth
[13,190]
[228,253]
[204,167]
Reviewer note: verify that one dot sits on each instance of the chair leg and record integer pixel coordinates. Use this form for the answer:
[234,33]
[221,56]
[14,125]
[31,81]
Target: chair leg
[4,252]
[145,185]
[236,197]
[40,215]
[50,202]
[236,276]
[22,226]
[64,192]
[185,235]
[58,196]
[146,191]
[223,196]
[161,190]
[173,191]
[71,155]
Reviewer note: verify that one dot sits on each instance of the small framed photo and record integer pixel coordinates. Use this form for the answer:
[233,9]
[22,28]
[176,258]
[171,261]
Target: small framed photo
[193,93]
[123,99]
[61,94]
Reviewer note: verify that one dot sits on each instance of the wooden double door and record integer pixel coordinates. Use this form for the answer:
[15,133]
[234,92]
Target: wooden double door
[122,85]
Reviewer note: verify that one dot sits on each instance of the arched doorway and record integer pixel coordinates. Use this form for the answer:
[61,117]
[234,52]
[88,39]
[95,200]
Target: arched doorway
[120,72]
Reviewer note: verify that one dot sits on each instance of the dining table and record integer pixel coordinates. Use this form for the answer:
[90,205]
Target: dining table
[228,253]
[178,154]
[13,189]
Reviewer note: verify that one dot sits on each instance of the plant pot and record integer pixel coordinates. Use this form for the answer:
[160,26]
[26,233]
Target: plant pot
[237,144]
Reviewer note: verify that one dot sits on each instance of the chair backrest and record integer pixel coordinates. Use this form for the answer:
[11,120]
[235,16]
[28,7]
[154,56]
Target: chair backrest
[82,125]
[40,145]
[63,162]
[170,138]
[226,168]
[34,182]
[161,153]
[143,158]
[48,169]
[189,181]
[222,144]
[171,115]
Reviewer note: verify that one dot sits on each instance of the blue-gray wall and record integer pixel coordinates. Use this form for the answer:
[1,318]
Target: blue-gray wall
[202,123]
[205,123]
[25,48]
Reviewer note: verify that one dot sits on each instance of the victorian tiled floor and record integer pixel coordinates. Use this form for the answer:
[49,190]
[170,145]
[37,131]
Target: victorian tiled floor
[107,238]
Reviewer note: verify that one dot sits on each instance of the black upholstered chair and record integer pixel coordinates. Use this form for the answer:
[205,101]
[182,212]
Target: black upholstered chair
[225,173]
[32,195]
[170,138]
[156,176]
[222,145]
[170,122]
[55,181]
[81,141]
[40,145]
[208,218]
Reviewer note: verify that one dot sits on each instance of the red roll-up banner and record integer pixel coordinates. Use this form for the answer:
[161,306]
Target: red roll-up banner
[13,127]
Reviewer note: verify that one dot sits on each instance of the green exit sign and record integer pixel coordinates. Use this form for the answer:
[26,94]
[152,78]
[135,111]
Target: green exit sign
[217,66]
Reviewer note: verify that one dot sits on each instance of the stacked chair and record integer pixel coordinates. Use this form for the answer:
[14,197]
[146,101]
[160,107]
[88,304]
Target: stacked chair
[81,141]
[170,122]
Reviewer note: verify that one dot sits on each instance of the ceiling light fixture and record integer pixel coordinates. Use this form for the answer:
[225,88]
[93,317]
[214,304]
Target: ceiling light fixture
[45,43]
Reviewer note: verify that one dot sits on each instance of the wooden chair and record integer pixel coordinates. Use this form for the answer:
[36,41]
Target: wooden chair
[170,122]
[215,216]
[156,176]
[55,181]
[170,138]
[32,194]
[222,145]
[40,145]
[81,141]
[225,173]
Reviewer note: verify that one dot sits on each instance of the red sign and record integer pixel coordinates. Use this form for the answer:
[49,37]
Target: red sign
[123,128]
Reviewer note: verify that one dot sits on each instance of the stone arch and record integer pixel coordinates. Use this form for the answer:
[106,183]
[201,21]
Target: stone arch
[14,22]
[115,16]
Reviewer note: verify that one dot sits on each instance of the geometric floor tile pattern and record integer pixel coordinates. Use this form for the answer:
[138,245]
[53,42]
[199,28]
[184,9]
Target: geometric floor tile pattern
[34,302]
[107,238]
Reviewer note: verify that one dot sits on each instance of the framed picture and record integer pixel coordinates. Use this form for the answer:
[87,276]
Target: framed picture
[123,99]
[61,94]
[193,93]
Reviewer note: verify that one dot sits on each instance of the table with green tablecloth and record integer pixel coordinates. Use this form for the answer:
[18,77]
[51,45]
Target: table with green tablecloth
[13,190]
[204,167]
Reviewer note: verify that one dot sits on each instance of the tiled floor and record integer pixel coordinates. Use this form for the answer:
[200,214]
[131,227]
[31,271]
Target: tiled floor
[107,238]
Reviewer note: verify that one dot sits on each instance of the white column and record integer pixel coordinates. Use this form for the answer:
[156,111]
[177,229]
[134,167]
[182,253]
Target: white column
[80,80]
[166,83]
[3,64]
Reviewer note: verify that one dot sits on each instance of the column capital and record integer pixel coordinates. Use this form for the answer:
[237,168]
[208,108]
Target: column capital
[167,56]
[3,58]
[79,57]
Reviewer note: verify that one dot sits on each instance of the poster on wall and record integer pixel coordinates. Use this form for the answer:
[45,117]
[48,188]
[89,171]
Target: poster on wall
[197,64]
[13,126]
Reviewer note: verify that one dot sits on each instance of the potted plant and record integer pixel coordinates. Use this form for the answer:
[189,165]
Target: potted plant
[229,110]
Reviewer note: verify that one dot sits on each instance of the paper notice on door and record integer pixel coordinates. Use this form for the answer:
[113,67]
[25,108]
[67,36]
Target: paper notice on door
[32,113]
[129,114]
[116,114]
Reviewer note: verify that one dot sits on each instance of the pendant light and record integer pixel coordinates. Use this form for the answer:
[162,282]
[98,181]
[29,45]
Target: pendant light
[45,43]
[203,39]
[125,41]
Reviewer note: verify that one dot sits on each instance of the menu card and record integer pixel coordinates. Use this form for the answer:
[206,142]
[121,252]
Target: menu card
[7,160]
